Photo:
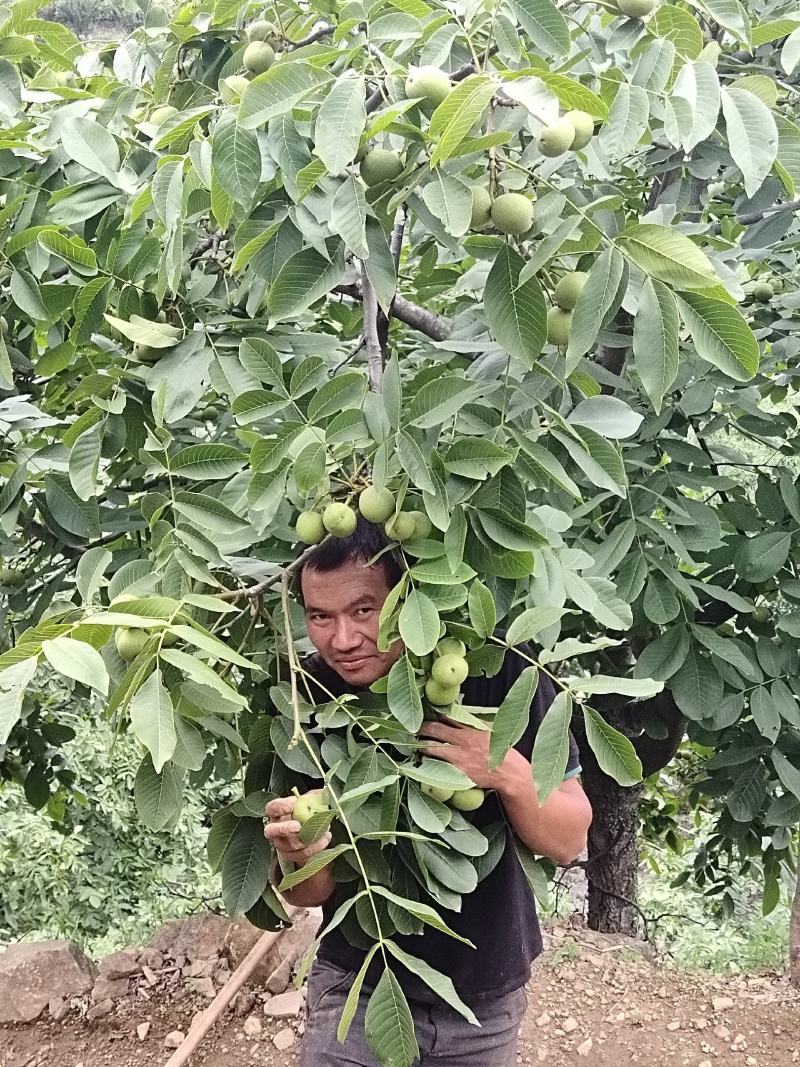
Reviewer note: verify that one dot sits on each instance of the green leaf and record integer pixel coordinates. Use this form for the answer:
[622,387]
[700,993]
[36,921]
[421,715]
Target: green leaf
[441,985]
[680,27]
[752,136]
[277,91]
[78,660]
[341,392]
[419,623]
[450,200]
[697,687]
[144,332]
[439,400]
[626,122]
[664,656]
[454,117]
[721,335]
[309,467]
[439,572]
[598,299]
[573,95]
[208,513]
[788,774]
[200,672]
[512,716]
[80,517]
[762,556]
[158,796]
[153,720]
[436,772]
[259,358]
[503,529]
[551,747]
[669,256]
[693,107]
[747,794]
[236,158]
[90,570]
[73,250]
[84,460]
[606,683]
[655,340]
[340,122]
[534,872]
[532,621]
[412,460]
[351,1004]
[207,462]
[88,308]
[615,754]
[349,216]
[245,867]
[544,24]
[765,714]
[91,145]
[403,695]
[388,1024]
[482,612]
[302,280]
[13,682]
[607,415]
[316,864]
[515,312]
[421,911]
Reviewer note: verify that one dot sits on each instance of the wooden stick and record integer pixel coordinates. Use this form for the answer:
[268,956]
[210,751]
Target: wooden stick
[206,1019]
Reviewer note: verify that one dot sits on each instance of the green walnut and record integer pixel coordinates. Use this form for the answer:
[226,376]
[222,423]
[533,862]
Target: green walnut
[450,670]
[308,805]
[161,114]
[260,30]
[512,213]
[559,324]
[438,792]
[376,505]
[130,643]
[258,57]
[557,139]
[439,694]
[468,799]
[583,124]
[451,646]
[763,292]
[422,524]
[401,527]
[146,354]
[481,208]
[429,85]
[310,528]
[636,9]
[236,85]
[11,578]
[339,520]
[380,165]
[569,288]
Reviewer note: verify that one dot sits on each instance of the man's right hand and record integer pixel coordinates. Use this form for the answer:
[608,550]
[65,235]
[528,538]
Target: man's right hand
[283,832]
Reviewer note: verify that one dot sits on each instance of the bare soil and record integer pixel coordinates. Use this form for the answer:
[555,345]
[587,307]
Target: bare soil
[592,1000]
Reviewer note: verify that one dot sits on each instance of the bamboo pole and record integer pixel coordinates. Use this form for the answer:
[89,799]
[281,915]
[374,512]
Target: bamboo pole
[207,1018]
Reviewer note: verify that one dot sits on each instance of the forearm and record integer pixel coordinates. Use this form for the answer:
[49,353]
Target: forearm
[309,894]
[557,828]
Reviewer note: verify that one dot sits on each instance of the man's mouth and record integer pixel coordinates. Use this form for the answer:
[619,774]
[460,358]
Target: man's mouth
[354,663]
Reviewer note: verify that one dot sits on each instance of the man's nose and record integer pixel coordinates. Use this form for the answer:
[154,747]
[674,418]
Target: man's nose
[345,636]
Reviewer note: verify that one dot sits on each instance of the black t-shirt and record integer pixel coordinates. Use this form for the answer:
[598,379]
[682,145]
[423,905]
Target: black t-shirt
[499,916]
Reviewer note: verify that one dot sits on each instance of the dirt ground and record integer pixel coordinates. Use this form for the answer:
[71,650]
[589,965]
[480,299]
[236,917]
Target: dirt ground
[592,1000]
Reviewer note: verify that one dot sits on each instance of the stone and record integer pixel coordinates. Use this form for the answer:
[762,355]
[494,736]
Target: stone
[142,1030]
[284,1039]
[197,937]
[243,1004]
[544,1020]
[204,987]
[275,970]
[286,1005]
[569,1025]
[705,1063]
[57,1009]
[34,973]
[109,989]
[739,1043]
[722,1003]
[585,1047]
[700,1024]
[120,964]
[723,1033]
[674,1024]
[149,957]
[174,1039]
[252,1026]
[97,1011]
[200,968]
[149,976]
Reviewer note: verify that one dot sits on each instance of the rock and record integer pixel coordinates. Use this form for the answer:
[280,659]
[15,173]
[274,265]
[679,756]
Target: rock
[585,1047]
[97,1011]
[142,1030]
[34,973]
[275,970]
[204,987]
[149,957]
[543,1020]
[57,1009]
[674,1024]
[197,937]
[705,1063]
[723,1033]
[286,1005]
[569,1025]
[722,1003]
[120,964]
[174,1039]
[109,989]
[149,976]
[284,1039]
[739,1043]
[243,1004]
[252,1026]
[700,1024]
[200,968]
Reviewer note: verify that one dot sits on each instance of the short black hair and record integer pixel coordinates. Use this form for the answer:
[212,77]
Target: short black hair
[366,542]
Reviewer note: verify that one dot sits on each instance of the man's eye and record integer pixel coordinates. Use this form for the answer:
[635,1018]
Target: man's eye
[364,611]
[318,618]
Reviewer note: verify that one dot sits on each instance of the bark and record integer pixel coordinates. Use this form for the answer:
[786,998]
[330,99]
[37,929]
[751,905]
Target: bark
[427,322]
[794,935]
[375,353]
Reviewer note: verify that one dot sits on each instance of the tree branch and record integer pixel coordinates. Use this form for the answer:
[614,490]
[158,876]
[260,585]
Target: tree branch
[261,587]
[427,322]
[374,349]
[315,35]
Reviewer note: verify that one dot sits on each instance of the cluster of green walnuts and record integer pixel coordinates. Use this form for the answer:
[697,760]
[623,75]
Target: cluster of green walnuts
[376,505]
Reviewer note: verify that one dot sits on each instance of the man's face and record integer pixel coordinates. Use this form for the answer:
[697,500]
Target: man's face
[343,607]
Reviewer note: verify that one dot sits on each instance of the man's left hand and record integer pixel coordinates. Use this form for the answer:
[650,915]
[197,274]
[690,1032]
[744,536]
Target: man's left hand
[468,749]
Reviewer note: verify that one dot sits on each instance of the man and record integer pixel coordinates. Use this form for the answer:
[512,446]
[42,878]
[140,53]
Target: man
[343,597]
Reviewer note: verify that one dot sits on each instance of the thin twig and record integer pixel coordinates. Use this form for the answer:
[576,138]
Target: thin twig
[297,731]
[315,35]
[256,590]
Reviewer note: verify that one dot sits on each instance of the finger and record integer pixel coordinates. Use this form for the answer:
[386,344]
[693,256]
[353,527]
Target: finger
[302,855]
[445,752]
[280,807]
[439,731]
[282,834]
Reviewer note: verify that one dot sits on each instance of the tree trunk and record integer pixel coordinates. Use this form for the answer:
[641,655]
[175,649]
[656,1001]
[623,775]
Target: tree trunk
[794,935]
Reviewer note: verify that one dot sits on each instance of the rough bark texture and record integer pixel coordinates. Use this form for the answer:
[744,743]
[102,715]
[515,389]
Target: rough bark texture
[794,936]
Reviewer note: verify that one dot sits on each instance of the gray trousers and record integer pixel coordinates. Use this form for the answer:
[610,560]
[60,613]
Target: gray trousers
[445,1038]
